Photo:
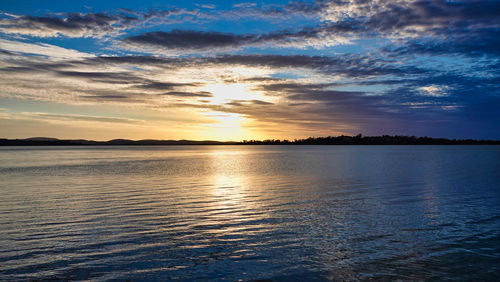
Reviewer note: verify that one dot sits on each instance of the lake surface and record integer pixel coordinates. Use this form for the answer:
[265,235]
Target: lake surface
[282,213]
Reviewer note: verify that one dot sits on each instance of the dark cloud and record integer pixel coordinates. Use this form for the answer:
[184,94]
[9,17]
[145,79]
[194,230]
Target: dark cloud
[135,60]
[343,100]
[260,102]
[204,94]
[475,43]
[436,15]
[106,97]
[71,25]
[292,86]
[213,41]
[159,86]
[21,65]
[262,79]
[88,74]
[330,96]
[107,77]
[350,65]
[189,39]
[364,69]
[235,104]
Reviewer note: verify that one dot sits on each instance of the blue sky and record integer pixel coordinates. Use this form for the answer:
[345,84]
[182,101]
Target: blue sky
[233,70]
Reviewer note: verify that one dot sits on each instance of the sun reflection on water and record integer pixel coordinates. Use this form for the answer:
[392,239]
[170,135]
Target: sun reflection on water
[228,182]
[236,195]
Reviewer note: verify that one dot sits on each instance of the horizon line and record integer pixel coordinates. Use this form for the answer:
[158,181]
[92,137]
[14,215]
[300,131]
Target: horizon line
[339,139]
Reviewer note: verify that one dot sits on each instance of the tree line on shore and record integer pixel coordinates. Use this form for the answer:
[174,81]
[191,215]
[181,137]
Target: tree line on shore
[330,140]
[372,140]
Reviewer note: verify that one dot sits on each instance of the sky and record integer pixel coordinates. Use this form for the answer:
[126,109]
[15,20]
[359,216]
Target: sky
[236,70]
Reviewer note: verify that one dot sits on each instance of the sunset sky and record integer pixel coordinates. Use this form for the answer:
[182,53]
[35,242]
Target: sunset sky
[232,70]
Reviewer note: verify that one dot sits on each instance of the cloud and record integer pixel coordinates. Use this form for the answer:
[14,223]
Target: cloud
[207,6]
[260,102]
[162,86]
[397,15]
[346,65]
[245,5]
[349,65]
[469,43]
[433,91]
[69,25]
[244,103]
[189,40]
[106,97]
[41,49]
[289,86]
[345,101]
[43,116]
[433,26]
[188,94]
[116,72]
[363,89]
[328,93]
[107,24]
[72,117]
[292,9]
[472,26]
[202,41]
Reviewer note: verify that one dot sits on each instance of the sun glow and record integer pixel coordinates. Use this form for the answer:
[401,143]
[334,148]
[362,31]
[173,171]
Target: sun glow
[227,126]
[224,93]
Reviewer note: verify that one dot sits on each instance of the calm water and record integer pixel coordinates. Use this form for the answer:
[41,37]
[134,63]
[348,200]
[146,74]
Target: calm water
[250,212]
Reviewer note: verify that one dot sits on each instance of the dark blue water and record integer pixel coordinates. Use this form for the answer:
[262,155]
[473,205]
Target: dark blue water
[250,212]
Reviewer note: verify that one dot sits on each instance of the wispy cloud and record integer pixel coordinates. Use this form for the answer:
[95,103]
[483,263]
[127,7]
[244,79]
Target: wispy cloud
[41,49]
[245,5]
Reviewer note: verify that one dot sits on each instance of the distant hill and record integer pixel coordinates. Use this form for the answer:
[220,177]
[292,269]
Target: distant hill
[41,139]
[330,140]
[44,141]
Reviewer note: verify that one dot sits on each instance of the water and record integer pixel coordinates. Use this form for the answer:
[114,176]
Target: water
[250,212]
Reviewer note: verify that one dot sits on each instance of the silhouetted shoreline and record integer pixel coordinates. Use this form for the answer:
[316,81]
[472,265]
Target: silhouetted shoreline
[339,140]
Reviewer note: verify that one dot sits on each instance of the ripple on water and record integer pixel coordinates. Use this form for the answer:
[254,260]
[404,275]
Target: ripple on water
[265,212]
